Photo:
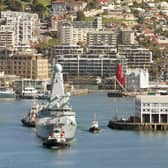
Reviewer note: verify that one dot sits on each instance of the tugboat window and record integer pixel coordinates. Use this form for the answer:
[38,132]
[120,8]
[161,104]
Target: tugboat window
[56,131]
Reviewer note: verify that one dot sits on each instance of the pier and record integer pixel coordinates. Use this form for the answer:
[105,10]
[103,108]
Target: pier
[125,125]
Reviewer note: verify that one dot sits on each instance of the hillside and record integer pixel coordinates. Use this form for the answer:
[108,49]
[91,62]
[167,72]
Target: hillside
[45,2]
[35,6]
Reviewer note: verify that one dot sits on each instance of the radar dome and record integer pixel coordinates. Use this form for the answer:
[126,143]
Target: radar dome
[58,68]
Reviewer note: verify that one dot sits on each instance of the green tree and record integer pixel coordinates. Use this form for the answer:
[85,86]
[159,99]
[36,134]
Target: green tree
[39,8]
[2,6]
[44,45]
[140,20]
[80,16]
[155,52]
[27,0]
[14,5]
[92,4]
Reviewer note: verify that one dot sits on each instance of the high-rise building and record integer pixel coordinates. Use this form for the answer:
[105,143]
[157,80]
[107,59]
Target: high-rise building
[24,25]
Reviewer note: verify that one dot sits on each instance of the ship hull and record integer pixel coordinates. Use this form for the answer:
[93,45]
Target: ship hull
[7,96]
[44,126]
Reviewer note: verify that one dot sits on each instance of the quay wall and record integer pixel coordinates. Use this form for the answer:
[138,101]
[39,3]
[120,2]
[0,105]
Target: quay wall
[124,125]
[76,92]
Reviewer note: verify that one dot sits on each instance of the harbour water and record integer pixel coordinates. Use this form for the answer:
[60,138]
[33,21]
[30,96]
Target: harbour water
[19,146]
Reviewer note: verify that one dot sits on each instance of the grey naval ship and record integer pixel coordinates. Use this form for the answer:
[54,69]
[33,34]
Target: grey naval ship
[57,116]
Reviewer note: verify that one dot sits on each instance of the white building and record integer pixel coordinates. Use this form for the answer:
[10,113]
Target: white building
[75,32]
[24,25]
[137,79]
[152,108]
[72,33]
[164,7]
[65,32]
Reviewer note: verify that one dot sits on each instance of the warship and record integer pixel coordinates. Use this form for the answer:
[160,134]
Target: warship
[58,114]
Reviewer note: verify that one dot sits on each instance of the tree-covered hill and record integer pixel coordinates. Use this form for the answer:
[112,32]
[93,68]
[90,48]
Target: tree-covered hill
[38,6]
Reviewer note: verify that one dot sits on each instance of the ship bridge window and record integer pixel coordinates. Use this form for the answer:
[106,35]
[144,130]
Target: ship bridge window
[145,104]
[56,131]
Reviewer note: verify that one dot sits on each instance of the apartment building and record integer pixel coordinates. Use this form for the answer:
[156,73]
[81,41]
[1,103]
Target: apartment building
[94,61]
[25,64]
[102,61]
[24,25]
[80,30]
[128,36]
[65,32]
[75,32]
[58,7]
[102,38]
[137,57]
[6,37]
[67,56]
[97,23]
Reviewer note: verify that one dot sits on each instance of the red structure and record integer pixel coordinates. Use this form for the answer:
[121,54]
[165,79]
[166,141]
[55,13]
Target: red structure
[119,75]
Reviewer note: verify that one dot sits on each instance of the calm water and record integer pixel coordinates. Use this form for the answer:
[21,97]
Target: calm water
[19,147]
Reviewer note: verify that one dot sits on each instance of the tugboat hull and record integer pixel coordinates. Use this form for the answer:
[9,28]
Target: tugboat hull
[53,143]
[27,124]
[94,130]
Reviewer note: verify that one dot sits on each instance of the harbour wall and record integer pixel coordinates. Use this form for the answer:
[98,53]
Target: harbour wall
[124,125]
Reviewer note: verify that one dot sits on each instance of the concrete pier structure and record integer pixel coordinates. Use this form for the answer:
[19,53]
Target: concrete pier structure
[151,115]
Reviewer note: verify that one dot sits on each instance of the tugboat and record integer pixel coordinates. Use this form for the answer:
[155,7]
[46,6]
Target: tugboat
[56,139]
[29,119]
[95,126]
[58,113]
